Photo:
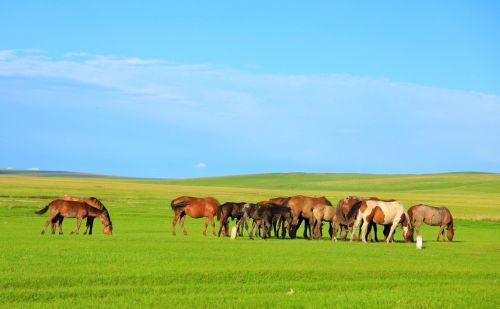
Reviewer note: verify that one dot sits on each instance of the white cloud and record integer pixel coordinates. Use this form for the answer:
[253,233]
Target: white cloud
[33,169]
[200,165]
[276,115]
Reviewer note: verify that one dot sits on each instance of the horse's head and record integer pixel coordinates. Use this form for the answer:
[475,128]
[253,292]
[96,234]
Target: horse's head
[407,229]
[106,222]
[451,232]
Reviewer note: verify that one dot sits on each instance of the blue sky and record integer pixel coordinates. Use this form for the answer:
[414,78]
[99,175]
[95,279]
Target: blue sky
[188,89]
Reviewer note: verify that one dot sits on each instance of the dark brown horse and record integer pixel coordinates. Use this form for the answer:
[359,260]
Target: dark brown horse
[226,211]
[344,217]
[92,201]
[302,207]
[195,208]
[78,210]
[435,216]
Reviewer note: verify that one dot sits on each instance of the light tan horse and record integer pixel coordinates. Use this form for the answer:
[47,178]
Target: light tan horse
[92,201]
[435,216]
[195,208]
[322,213]
[78,210]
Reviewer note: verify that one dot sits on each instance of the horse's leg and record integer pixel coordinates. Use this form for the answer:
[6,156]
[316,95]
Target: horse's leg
[49,221]
[417,227]
[391,232]
[330,229]
[181,223]
[441,231]
[375,231]
[221,225]
[307,226]
[205,226]
[174,222]
[59,225]
[250,233]
[355,226]
[53,225]
[91,225]
[364,227]
[212,222]
[77,227]
[87,224]
[334,231]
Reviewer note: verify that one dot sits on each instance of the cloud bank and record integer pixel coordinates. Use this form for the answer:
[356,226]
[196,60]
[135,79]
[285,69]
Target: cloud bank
[254,122]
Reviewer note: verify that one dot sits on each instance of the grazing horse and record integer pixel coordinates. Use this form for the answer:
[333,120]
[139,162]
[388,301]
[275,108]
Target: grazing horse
[435,216]
[302,207]
[280,217]
[249,212]
[78,210]
[92,201]
[225,212]
[382,212]
[322,213]
[195,208]
[345,215]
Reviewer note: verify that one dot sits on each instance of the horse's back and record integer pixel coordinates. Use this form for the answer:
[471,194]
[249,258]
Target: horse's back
[390,209]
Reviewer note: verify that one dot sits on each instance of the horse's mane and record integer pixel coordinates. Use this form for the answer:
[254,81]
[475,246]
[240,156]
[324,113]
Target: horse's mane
[353,212]
[381,200]
[98,203]
[327,201]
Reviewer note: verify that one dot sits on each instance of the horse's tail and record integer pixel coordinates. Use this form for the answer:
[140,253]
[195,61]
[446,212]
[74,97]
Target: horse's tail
[178,206]
[43,210]
[353,212]
[219,213]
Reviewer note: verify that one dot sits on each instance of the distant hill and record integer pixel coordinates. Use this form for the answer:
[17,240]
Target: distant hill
[469,181]
[20,172]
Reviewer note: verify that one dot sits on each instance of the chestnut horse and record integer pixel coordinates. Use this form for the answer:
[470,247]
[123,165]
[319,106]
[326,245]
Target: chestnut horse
[92,201]
[435,216]
[195,208]
[385,213]
[302,207]
[78,210]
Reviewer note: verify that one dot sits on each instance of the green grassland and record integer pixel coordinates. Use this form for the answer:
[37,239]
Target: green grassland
[142,264]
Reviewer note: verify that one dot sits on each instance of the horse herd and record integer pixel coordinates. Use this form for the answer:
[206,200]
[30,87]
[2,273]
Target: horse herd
[280,215]
[287,214]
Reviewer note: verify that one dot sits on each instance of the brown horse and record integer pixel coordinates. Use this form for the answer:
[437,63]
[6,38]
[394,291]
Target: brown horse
[195,208]
[302,207]
[435,216]
[92,201]
[78,210]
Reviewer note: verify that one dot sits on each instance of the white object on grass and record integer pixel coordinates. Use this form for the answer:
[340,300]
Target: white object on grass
[234,232]
[420,242]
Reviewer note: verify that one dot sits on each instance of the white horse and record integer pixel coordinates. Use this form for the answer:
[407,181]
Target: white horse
[383,212]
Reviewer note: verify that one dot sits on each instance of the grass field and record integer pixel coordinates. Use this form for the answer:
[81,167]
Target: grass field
[142,264]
